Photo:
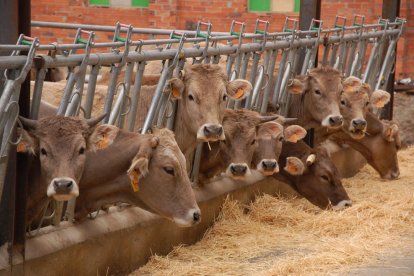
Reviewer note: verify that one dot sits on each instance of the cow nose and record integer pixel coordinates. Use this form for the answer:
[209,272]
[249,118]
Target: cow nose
[238,170]
[213,130]
[395,174]
[196,217]
[348,204]
[63,186]
[335,121]
[269,165]
[359,124]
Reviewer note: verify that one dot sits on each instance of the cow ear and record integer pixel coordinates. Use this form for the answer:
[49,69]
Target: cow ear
[28,143]
[270,129]
[390,132]
[138,166]
[102,137]
[379,98]
[294,166]
[238,89]
[176,87]
[294,133]
[296,87]
[350,83]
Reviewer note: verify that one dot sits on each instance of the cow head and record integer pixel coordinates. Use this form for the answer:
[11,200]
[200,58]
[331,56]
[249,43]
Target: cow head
[204,91]
[236,152]
[166,188]
[355,101]
[319,92]
[319,181]
[270,137]
[61,143]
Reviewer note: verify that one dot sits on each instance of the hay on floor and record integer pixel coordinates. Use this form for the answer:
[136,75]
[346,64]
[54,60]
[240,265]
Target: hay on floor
[279,236]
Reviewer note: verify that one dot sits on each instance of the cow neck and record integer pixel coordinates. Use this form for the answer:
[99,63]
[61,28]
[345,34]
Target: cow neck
[358,145]
[186,141]
[105,165]
[37,198]
[297,110]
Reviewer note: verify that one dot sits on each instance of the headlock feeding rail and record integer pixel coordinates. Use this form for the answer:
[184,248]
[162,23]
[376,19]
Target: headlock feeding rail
[267,59]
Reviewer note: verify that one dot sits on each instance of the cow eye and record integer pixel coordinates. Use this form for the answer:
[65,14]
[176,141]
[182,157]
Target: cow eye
[191,97]
[43,151]
[169,170]
[324,177]
[82,150]
[317,92]
[281,138]
[225,98]
[367,103]
[342,102]
[253,142]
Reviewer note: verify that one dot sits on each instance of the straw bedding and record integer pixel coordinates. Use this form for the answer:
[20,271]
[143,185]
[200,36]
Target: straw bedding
[279,236]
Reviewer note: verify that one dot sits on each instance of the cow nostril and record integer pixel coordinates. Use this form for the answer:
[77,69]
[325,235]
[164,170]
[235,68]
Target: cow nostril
[206,130]
[233,169]
[348,204]
[69,185]
[243,169]
[220,131]
[335,120]
[269,164]
[55,184]
[196,216]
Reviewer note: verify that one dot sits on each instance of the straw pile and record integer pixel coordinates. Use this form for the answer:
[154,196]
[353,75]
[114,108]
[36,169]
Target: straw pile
[279,236]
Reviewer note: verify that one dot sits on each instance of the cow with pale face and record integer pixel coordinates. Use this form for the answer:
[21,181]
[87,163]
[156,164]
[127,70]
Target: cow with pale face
[202,92]
[59,145]
[234,155]
[270,137]
[153,177]
[315,99]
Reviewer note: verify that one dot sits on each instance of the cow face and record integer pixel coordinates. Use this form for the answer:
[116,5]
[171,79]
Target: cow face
[321,184]
[355,101]
[241,127]
[270,137]
[61,143]
[319,96]
[382,150]
[204,91]
[166,188]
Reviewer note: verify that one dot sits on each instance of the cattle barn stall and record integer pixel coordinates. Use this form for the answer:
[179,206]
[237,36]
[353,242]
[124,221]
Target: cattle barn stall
[360,49]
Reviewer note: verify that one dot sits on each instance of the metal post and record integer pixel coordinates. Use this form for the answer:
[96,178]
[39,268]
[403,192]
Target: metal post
[309,9]
[390,10]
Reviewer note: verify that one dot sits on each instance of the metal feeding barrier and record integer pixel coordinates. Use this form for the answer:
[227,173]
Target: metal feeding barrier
[267,59]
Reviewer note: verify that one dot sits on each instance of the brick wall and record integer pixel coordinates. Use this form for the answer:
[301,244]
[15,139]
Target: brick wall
[184,14]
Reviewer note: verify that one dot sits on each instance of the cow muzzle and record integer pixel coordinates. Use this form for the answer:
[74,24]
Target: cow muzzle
[192,217]
[62,189]
[358,128]
[333,121]
[342,204]
[238,170]
[210,132]
[268,166]
[392,175]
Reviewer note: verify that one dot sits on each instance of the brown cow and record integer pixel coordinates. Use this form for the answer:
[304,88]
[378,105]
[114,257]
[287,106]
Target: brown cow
[379,146]
[318,181]
[270,137]
[59,145]
[234,155]
[159,185]
[315,99]
[202,91]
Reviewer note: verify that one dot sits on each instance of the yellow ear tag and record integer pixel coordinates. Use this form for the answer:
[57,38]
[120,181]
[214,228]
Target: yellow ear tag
[293,138]
[175,92]
[103,143]
[134,176]
[239,93]
[291,168]
[380,103]
[21,147]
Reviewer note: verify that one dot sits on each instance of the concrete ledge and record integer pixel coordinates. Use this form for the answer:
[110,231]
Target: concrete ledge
[121,241]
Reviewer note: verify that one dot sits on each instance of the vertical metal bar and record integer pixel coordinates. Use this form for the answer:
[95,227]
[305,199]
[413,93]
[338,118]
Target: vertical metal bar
[135,95]
[37,93]
[390,10]
[243,71]
[128,75]
[270,70]
[253,72]
[91,90]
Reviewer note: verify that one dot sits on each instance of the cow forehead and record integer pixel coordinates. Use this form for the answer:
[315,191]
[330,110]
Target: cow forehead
[59,126]
[355,96]
[239,131]
[206,89]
